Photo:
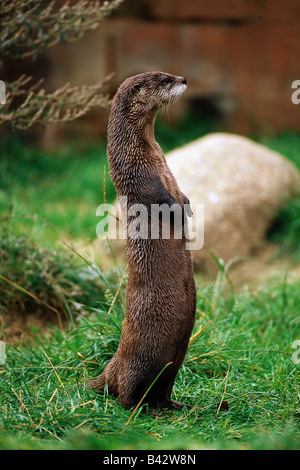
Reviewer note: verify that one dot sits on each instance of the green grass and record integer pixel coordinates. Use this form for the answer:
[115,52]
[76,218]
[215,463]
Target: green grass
[62,190]
[285,229]
[243,355]
[57,282]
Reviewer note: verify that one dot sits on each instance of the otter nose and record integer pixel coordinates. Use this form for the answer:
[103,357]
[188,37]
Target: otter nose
[183,80]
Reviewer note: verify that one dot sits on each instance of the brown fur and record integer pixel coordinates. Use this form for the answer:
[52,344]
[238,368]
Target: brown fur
[160,294]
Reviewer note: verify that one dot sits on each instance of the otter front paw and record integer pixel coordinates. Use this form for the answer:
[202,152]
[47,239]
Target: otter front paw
[187,205]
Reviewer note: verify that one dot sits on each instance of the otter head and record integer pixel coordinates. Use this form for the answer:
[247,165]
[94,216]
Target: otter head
[142,95]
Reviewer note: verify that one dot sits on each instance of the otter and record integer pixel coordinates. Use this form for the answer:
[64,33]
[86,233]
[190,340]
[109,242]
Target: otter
[160,293]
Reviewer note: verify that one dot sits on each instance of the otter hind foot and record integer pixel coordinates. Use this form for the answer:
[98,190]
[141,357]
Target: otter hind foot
[177,405]
[97,384]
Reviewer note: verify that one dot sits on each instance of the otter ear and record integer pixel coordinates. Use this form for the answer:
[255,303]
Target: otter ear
[136,86]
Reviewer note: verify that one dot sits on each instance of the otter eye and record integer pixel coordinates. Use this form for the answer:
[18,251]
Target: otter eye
[166,80]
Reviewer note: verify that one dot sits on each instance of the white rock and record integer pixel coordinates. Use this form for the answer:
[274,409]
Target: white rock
[241,185]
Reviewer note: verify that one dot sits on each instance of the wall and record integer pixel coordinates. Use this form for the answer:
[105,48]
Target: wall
[241,55]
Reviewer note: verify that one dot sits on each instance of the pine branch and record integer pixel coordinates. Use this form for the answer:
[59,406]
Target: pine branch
[28,27]
[65,104]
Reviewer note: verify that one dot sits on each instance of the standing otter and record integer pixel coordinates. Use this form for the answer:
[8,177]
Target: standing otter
[160,295]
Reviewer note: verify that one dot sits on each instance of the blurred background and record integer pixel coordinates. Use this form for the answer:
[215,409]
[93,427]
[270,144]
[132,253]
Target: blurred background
[240,58]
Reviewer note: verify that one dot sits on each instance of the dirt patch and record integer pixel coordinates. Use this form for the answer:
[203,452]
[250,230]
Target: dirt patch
[264,266]
[21,324]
